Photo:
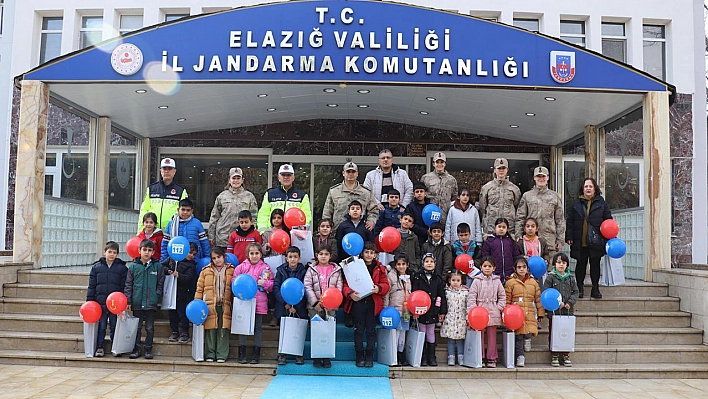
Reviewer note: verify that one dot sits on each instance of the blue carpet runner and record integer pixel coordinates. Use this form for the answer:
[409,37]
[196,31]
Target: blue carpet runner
[324,387]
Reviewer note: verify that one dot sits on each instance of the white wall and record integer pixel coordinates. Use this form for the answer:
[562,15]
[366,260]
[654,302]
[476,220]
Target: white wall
[6,57]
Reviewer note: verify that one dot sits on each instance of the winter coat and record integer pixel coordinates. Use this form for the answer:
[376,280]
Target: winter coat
[546,207]
[399,292]
[336,205]
[239,240]
[282,273]
[143,284]
[525,294]
[419,227]
[186,270]
[313,290]
[442,190]
[258,271]
[504,250]
[163,200]
[265,240]
[410,247]
[444,259]
[435,288]
[389,217]
[317,241]
[488,292]
[156,239]
[470,216]
[378,276]
[568,288]
[599,212]
[498,199]
[545,250]
[455,324]
[104,280]
[401,182]
[206,291]
[224,215]
[193,231]
[458,249]
[279,198]
[347,226]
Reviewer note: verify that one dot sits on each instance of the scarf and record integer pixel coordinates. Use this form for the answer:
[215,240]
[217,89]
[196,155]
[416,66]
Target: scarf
[244,233]
[219,284]
[174,227]
[561,276]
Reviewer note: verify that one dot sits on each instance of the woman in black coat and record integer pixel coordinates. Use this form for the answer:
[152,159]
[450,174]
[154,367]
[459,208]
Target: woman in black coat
[583,221]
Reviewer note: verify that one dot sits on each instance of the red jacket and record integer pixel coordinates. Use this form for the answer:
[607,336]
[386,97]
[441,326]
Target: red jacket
[238,242]
[379,277]
[156,238]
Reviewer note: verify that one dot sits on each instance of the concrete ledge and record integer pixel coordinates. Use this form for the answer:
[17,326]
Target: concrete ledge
[691,287]
[8,273]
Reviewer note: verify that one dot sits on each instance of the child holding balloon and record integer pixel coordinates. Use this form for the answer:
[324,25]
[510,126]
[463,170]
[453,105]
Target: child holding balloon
[487,291]
[502,248]
[353,223]
[292,268]
[276,222]
[523,290]
[400,289]
[454,328]
[431,283]
[183,271]
[564,282]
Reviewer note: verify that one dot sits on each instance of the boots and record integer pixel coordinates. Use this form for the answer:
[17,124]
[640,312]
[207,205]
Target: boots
[148,352]
[581,291]
[432,361]
[595,292]
[402,359]
[424,357]
[369,360]
[360,358]
[242,354]
[256,355]
[137,351]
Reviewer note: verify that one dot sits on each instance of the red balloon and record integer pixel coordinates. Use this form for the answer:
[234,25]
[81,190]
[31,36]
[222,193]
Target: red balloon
[91,312]
[294,217]
[478,317]
[609,229]
[513,317]
[463,263]
[389,238]
[132,247]
[418,303]
[378,246]
[116,302]
[331,298]
[279,241]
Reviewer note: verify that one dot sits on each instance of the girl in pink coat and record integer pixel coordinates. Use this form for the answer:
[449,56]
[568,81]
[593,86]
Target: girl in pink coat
[261,272]
[487,291]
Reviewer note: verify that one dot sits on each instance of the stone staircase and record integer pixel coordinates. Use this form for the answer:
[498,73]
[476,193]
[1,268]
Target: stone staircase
[636,331]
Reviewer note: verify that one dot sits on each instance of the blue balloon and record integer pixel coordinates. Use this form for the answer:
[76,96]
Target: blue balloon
[353,244]
[178,248]
[616,248]
[551,299]
[431,214]
[197,311]
[292,290]
[244,287]
[231,258]
[537,266]
[390,318]
[202,263]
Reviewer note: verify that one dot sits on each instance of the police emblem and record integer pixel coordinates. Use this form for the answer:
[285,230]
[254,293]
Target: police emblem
[294,195]
[562,66]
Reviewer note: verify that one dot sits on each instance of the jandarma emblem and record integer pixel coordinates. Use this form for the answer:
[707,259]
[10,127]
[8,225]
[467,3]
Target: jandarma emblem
[562,66]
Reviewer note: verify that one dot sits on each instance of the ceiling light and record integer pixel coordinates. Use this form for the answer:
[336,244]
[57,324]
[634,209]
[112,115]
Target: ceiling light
[333,105]
[430,98]
[181,119]
[270,109]
[424,112]
[513,126]
[363,106]
[363,91]
[141,91]
[262,95]
[329,90]
[550,98]
[162,106]
[530,114]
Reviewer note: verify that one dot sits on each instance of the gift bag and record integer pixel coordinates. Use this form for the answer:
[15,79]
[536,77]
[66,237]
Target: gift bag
[274,261]
[414,346]
[563,334]
[90,336]
[243,317]
[169,293]
[358,277]
[508,349]
[124,337]
[307,253]
[385,258]
[387,346]
[323,337]
[612,272]
[473,349]
[198,342]
[292,336]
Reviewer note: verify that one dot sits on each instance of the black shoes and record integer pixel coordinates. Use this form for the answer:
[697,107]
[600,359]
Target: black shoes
[595,292]
[148,353]
[242,354]
[136,353]
[432,361]
[173,337]
[256,355]
[369,360]
[360,358]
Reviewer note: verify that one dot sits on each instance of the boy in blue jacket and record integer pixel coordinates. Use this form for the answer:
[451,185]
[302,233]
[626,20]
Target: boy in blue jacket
[184,224]
[353,222]
[392,212]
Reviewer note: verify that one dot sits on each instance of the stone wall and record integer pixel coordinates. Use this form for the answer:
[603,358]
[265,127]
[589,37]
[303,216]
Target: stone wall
[692,287]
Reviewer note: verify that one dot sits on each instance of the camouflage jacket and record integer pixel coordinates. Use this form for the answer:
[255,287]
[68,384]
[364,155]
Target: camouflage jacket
[545,206]
[442,190]
[498,199]
[337,203]
[224,216]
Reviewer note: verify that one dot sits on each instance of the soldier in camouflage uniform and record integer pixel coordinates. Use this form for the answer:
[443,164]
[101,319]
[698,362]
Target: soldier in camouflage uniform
[499,199]
[231,201]
[340,195]
[442,186]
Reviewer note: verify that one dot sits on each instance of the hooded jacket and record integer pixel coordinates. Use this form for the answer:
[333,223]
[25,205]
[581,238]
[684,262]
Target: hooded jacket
[143,284]
[527,294]
[444,256]
[504,250]
[206,291]
[568,288]
[260,270]
[378,275]
[313,288]
[400,290]
[192,229]
[457,215]
[455,324]
[156,238]
[224,215]
[186,270]
[435,288]
[401,182]
[488,292]
[410,246]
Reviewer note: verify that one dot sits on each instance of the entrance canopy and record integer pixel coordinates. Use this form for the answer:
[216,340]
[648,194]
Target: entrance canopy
[346,60]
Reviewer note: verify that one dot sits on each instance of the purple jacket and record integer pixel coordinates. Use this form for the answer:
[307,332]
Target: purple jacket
[258,271]
[504,250]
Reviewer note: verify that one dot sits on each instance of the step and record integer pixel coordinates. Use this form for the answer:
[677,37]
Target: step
[47,291]
[633,354]
[52,277]
[632,319]
[693,266]
[339,369]
[628,304]
[37,306]
[632,288]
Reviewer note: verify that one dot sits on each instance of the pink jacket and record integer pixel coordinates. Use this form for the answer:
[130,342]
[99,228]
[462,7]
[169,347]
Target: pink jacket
[489,293]
[313,291]
[258,271]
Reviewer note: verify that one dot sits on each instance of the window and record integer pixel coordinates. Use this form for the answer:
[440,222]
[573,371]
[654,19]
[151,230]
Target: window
[2,14]
[655,50]
[573,32]
[91,31]
[528,24]
[614,41]
[129,23]
[174,17]
[50,42]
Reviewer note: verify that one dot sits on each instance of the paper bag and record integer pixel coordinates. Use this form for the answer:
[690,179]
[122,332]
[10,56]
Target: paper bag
[124,337]
[358,277]
[563,334]
[387,346]
[292,336]
[414,346]
[169,293]
[385,258]
[307,253]
[473,349]
[612,272]
[323,338]
[274,261]
[90,336]
[508,349]
[243,317]
[198,343]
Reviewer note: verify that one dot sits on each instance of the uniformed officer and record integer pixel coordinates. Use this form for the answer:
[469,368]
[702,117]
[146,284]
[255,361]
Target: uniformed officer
[442,186]
[499,199]
[340,195]
[163,197]
[284,196]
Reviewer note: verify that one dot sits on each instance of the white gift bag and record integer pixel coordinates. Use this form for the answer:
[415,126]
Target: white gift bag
[198,343]
[169,293]
[307,253]
[563,334]
[124,337]
[612,272]
[323,338]
[414,346]
[358,277]
[90,336]
[473,349]
[385,258]
[291,340]
[243,317]
[508,349]
[387,346]
[274,261]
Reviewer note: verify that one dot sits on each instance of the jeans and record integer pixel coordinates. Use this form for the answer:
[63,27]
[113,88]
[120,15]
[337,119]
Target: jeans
[179,316]
[455,343]
[519,343]
[581,266]
[106,317]
[148,316]
[257,332]
[364,324]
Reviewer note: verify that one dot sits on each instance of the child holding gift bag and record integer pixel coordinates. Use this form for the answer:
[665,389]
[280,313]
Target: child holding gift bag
[523,290]
[291,268]
[400,283]
[487,291]
[430,282]
[561,279]
[455,326]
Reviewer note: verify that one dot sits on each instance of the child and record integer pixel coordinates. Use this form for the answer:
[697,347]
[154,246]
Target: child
[184,224]
[464,245]
[149,232]
[400,282]
[244,234]
[364,310]
[487,291]
[463,211]
[353,222]
[107,276]
[184,272]
[530,244]
[261,272]
[392,212]
[442,250]
[523,290]
[143,288]
[324,231]
[276,222]
[214,288]
[502,249]
[321,275]
[455,326]
[415,208]
[291,268]
[433,284]
[561,279]
[409,242]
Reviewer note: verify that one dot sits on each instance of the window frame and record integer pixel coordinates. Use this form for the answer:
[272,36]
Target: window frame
[655,40]
[123,31]
[175,16]
[2,16]
[83,29]
[615,38]
[583,35]
[537,20]
[43,32]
